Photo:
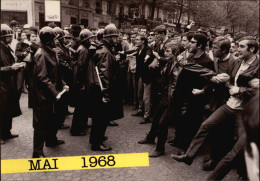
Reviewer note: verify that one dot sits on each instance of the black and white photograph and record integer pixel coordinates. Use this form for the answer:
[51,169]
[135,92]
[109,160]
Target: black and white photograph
[129,90]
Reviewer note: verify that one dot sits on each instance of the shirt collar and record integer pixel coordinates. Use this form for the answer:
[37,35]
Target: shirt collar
[249,62]
[226,58]
[198,56]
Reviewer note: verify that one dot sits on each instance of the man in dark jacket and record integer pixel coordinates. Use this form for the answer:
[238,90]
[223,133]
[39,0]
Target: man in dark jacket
[160,119]
[32,42]
[188,123]
[80,116]
[9,102]
[108,98]
[47,89]
[65,63]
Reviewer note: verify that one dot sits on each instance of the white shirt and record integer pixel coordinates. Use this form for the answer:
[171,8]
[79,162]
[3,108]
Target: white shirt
[235,102]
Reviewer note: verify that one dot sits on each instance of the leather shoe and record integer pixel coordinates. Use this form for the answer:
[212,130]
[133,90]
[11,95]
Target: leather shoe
[145,121]
[58,142]
[101,148]
[10,136]
[156,154]
[209,165]
[36,155]
[104,139]
[112,123]
[182,158]
[64,126]
[146,141]
[78,134]
[138,113]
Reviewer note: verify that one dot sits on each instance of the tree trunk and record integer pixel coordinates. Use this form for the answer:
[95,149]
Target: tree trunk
[179,18]
[153,9]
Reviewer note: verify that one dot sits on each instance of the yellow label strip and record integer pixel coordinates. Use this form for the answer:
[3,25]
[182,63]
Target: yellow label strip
[75,163]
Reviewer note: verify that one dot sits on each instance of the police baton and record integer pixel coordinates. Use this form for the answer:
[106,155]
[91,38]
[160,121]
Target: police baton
[100,83]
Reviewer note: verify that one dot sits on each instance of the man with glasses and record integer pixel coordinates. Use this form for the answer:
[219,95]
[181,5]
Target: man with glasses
[151,39]
[192,105]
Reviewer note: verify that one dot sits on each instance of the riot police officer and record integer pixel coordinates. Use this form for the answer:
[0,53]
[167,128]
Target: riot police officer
[107,99]
[47,89]
[80,115]
[9,102]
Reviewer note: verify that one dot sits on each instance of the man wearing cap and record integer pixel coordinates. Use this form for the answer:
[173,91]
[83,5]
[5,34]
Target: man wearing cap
[9,105]
[47,89]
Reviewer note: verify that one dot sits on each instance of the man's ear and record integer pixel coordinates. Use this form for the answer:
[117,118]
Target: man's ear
[252,49]
[199,46]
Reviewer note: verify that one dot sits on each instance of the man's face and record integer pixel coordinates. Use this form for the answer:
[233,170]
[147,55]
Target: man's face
[8,39]
[157,37]
[151,37]
[233,48]
[67,40]
[138,41]
[143,31]
[133,38]
[168,53]
[243,51]
[33,38]
[178,38]
[114,39]
[23,36]
[193,46]
[125,38]
[185,42]
[217,50]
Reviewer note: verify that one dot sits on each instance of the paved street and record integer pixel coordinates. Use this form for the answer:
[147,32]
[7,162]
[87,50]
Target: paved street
[123,139]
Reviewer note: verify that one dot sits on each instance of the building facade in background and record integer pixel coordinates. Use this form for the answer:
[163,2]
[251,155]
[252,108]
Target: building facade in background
[89,13]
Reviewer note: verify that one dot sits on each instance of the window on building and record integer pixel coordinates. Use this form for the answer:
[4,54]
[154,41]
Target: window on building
[86,4]
[84,22]
[8,16]
[73,20]
[73,2]
[99,7]
[109,8]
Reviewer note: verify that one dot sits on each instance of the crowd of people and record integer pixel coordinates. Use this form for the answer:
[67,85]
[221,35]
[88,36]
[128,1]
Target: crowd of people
[204,84]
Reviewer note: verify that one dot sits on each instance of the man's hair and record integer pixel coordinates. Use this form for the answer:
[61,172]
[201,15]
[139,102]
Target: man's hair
[201,39]
[224,43]
[175,48]
[188,35]
[28,34]
[251,43]
[251,121]
[143,38]
[161,29]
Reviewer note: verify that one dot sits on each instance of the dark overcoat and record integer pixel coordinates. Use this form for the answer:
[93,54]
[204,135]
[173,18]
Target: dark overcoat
[9,103]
